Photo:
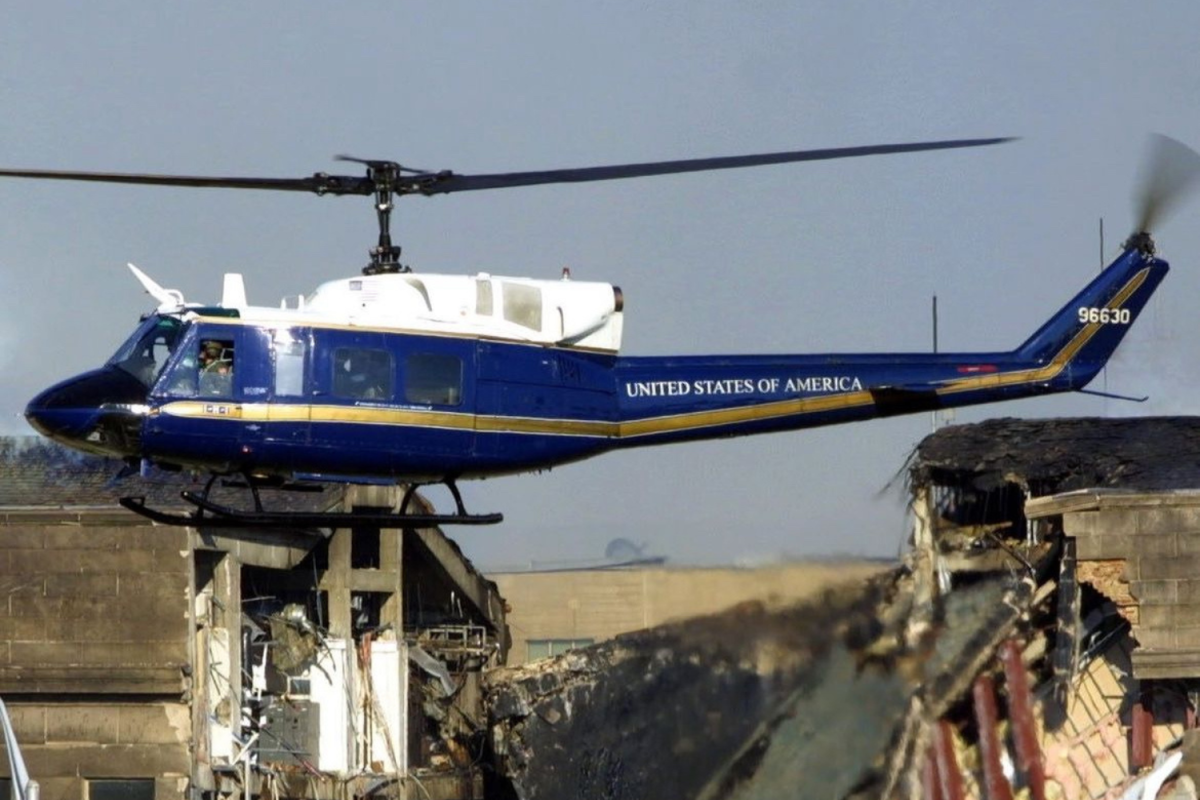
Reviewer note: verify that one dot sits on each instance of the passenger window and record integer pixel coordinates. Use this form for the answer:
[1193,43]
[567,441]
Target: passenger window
[290,354]
[362,374]
[215,365]
[431,379]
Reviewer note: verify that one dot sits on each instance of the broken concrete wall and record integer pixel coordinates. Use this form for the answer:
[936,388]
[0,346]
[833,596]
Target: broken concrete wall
[128,650]
[1087,756]
[943,678]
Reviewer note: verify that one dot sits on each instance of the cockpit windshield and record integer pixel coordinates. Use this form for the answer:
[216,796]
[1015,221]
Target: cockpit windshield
[147,351]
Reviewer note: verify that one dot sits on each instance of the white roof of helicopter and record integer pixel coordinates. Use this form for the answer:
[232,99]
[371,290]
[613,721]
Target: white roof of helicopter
[564,313]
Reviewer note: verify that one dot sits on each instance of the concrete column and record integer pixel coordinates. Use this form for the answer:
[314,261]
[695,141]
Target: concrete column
[337,583]
[391,561]
[227,591]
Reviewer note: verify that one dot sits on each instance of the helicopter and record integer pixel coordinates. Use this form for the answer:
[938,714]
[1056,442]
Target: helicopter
[421,379]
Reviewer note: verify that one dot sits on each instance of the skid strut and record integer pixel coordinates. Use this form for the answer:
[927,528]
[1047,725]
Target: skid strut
[214,515]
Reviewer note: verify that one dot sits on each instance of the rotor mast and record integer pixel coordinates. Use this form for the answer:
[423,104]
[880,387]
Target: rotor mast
[385,256]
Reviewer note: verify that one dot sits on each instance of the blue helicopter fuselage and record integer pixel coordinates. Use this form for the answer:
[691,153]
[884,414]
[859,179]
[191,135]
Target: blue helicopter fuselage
[222,389]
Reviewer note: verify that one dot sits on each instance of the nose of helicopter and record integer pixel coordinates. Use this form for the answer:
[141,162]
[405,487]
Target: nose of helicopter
[97,412]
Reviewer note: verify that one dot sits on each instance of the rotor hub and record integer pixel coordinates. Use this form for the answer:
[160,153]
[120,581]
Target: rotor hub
[1142,242]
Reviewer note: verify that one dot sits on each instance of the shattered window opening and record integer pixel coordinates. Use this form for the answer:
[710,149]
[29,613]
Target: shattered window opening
[366,611]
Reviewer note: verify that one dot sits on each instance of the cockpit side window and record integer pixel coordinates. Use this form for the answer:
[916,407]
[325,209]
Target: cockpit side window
[215,362]
[147,351]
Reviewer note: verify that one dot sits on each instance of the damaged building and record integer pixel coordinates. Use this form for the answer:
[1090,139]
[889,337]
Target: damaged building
[146,661]
[1041,639]
[1104,514]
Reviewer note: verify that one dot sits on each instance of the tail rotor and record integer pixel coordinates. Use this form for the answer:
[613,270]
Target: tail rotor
[1169,174]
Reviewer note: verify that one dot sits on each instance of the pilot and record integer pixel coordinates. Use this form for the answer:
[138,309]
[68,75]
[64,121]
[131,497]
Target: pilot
[216,369]
[210,353]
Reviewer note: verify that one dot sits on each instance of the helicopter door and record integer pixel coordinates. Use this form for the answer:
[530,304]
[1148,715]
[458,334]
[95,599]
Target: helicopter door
[289,411]
[437,381]
[212,374]
[352,381]
[250,385]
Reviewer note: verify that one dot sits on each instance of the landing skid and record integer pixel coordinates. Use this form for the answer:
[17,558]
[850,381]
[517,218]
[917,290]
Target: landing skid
[213,515]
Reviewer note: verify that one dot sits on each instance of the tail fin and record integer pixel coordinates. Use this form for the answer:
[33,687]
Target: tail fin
[1085,332]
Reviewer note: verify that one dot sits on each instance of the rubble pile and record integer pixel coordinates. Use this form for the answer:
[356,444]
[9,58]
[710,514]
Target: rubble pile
[754,702]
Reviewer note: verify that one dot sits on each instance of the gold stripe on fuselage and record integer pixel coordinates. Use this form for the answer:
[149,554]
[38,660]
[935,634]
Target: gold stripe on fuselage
[693,420]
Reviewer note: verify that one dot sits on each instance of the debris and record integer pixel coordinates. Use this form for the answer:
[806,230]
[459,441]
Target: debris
[750,703]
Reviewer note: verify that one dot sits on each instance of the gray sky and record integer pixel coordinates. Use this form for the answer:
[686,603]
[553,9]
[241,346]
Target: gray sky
[837,256]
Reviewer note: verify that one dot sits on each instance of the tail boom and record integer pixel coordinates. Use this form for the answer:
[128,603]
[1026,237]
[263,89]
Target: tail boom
[675,399]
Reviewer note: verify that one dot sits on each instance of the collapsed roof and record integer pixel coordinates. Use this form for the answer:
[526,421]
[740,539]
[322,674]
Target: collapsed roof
[1059,455]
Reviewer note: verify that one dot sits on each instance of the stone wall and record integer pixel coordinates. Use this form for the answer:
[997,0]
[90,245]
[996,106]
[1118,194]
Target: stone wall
[94,650]
[93,609]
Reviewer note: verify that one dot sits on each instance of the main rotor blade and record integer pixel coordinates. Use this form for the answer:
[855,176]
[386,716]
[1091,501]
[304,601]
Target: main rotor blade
[1168,175]
[443,183]
[429,183]
[319,183]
